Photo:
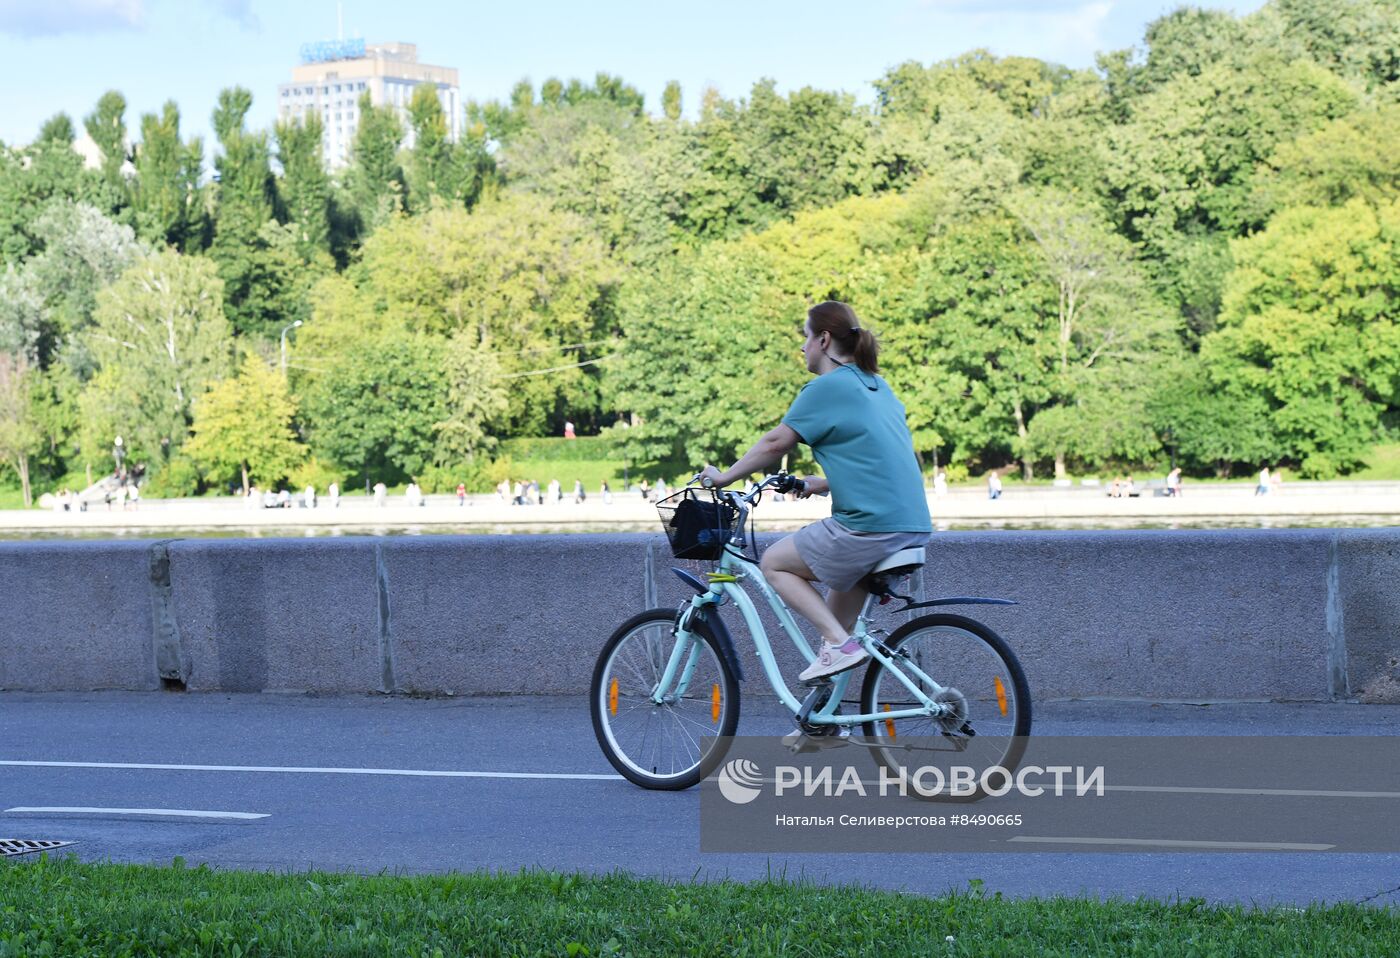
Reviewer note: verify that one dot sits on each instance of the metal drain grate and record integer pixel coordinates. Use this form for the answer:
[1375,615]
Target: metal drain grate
[10,847]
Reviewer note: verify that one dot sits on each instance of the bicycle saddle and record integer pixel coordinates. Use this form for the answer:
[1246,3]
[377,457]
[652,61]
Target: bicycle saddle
[879,579]
[901,563]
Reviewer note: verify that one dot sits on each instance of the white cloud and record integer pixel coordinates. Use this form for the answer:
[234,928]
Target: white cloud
[1061,31]
[49,18]
[28,18]
[241,12]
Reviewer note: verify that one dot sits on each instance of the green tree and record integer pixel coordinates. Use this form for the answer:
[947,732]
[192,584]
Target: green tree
[305,187]
[20,436]
[159,338]
[1187,41]
[1309,324]
[980,315]
[671,101]
[476,399]
[30,178]
[167,197]
[83,251]
[528,282]
[243,427]
[430,165]
[1357,38]
[106,125]
[1183,169]
[374,180]
[377,412]
[710,362]
[245,205]
[1109,335]
[1354,155]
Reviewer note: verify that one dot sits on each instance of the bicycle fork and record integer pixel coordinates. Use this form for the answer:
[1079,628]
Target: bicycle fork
[685,653]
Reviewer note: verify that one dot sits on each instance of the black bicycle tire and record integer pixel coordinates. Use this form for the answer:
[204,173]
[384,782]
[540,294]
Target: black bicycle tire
[1020,687]
[729,722]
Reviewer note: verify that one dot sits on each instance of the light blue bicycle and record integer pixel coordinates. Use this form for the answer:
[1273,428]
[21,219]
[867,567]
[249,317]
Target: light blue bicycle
[941,688]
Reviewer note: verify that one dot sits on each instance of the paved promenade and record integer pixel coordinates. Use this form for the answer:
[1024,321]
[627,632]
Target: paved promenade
[371,784]
[1324,500]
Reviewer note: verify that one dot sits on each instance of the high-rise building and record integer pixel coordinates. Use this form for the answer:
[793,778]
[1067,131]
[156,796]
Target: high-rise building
[334,74]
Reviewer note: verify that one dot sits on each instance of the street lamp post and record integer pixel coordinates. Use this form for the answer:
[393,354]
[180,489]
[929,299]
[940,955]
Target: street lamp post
[284,345]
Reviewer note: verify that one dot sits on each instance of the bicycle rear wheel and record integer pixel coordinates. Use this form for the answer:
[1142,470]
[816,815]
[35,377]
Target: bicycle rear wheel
[979,677]
[674,744]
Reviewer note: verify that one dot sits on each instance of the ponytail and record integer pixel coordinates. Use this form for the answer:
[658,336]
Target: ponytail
[847,331]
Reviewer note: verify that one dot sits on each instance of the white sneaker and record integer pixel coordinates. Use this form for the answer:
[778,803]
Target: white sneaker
[834,659]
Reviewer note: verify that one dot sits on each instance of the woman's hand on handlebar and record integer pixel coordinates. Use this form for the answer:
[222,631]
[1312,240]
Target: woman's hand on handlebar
[813,486]
[710,477]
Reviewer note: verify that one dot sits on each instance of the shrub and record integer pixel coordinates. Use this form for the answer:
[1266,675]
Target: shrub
[177,478]
[318,473]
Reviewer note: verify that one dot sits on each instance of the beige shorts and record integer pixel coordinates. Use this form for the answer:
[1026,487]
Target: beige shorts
[841,557]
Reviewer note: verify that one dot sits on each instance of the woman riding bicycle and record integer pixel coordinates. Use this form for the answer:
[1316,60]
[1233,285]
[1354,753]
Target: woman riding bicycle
[856,429]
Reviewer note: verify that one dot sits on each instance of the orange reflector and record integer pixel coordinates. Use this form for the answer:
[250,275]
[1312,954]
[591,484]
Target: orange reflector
[1001,693]
[612,697]
[889,724]
[714,703]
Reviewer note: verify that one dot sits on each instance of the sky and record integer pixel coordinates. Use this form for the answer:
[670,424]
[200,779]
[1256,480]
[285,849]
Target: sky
[61,55]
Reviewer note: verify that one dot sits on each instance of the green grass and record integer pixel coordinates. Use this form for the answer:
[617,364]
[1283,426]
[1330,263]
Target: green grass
[11,499]
[65,907]
[567,470]
[1382,463]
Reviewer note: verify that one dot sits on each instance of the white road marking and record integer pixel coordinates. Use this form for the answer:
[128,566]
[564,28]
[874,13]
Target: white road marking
[413,772]
[1174,843]
[171,812]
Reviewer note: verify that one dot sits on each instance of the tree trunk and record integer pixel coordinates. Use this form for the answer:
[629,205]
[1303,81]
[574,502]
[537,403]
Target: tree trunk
[1027,466]
[1060,472]
[245,477]
[23,463]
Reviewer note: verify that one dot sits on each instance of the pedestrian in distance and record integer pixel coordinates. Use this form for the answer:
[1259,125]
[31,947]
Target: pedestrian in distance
[607,494]
[333,495]
[993,485]
[579,494]
[1262,489]
[461,494]
[1174,482]
[940,484]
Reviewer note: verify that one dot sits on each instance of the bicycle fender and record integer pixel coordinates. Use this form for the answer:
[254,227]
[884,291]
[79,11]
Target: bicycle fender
[691,580]
[957,600]
[722,637]
[717,625]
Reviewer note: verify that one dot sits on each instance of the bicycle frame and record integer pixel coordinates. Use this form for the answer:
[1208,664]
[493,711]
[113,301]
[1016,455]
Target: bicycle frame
[726,585]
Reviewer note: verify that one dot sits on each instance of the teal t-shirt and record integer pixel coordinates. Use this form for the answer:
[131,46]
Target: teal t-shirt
[861,440]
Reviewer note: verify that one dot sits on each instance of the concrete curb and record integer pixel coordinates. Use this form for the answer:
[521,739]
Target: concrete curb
[1307,615]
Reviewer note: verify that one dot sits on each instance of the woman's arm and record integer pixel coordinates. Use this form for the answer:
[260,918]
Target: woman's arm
[766,453]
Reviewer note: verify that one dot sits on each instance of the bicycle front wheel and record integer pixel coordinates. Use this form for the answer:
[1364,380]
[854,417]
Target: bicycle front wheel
[675,742]
[965,666]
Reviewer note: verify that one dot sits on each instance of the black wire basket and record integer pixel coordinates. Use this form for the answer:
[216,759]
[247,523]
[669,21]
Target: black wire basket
[698,523]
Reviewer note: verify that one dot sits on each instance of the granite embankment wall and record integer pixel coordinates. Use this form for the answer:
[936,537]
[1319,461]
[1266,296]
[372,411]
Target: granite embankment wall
[1308,615]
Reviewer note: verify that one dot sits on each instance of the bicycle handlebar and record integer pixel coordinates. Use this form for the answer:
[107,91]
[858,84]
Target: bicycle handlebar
[778,482]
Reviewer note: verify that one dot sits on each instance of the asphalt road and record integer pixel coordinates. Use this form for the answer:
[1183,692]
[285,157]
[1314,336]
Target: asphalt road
[286,758]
